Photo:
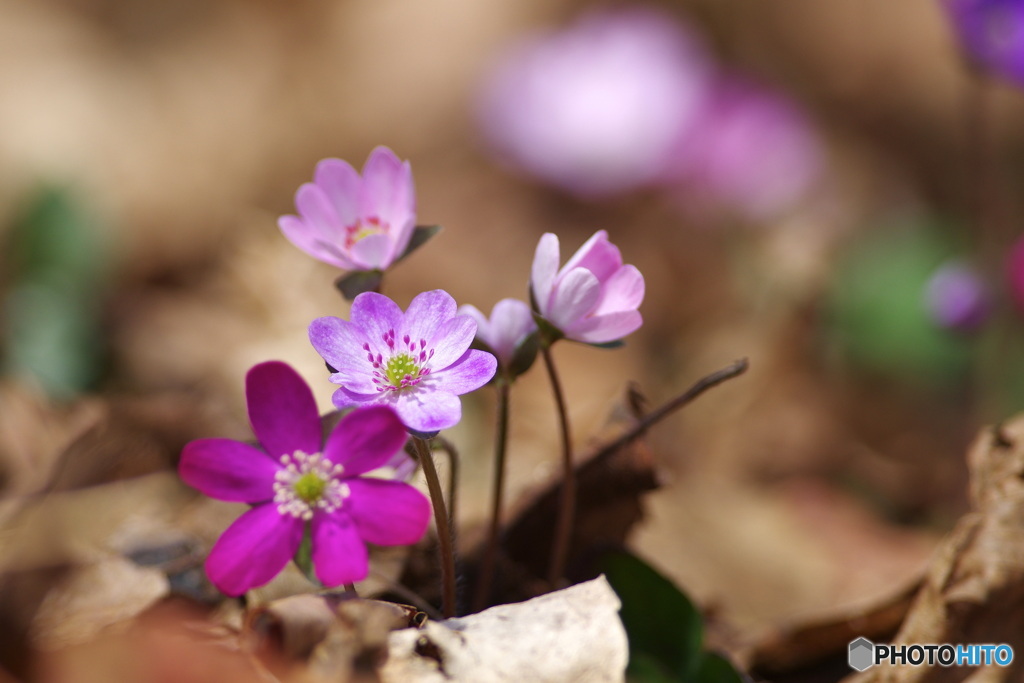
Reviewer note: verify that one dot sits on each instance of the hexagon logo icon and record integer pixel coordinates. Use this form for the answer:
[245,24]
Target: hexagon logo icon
[862,654]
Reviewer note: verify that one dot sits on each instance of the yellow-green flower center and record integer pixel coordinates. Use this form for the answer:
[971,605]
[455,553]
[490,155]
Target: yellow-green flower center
[310,487]
[308,483]
[401,369]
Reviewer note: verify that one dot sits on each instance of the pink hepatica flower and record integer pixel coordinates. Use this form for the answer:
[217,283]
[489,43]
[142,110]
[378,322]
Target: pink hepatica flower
[510,324]
[956,297]
[295,480]
[353,222]
[595,108]
[419,362]
[992,32]
[594,297]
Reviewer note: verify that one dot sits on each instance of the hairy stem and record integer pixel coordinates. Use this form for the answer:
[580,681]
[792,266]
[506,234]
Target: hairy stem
[567,508]
[444,536]
[483,588]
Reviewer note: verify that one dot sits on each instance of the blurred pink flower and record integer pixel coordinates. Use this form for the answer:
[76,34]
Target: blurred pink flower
[355,222]
[992,33]
[594,297]
[956,297]
[750,150]
[596,107]
[1015,273]
[510,324]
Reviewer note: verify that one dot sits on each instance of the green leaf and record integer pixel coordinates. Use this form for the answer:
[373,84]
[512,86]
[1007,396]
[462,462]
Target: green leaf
[715,668]
[662,624]
[359,281]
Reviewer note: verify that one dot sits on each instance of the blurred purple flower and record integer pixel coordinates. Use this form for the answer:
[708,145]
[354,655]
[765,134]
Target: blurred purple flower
[353,222]
[750,149]
[992,33]
[956,298]
[510,324]
[594,297]
[295,479]
[1015,273]
[596,107]
[418,362]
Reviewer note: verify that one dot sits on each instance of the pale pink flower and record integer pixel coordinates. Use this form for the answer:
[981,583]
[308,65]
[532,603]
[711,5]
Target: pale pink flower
[594,297]
[509,326]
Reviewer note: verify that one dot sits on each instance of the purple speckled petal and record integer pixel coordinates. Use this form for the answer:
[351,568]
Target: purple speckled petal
[376,314]
[427,312]
[601,329]
[469,373]
[342,185]
[338,341]
[365,439]
[428,411]
[374,252]
[308,239]
[542,274]
[228,470]
[339,555]
[623,291]
[282,409]
[387,512]
[451,340]
[345,398]
[576,294]
[253,550]
[598,255]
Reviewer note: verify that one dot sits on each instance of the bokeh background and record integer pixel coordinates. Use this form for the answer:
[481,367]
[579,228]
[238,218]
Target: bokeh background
[148,147]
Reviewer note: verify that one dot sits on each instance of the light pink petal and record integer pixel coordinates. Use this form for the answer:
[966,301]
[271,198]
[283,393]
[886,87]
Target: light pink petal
[316,209]
[228,470]
[575,295]
[542,274]
[483,325]
[426,314]
[451,341]
[339,555]
[346,398]
[365,439]
[342,185]
[253,550]
[282,409]
[388,191]
[376,314]
[428,411]
[387,512]
[401,233]
[598,255]
[511,322]
[623,291]
[469,373]
[606,328]
[308,239]
[374,252]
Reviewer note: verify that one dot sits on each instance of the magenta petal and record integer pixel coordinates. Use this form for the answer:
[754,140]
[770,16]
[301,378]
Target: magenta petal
[339,554]
[365,439]
[601,329]
[576,294]
[469,373]
[282,409]
[428,411]
[373,252]
[387,512]
[623,291]
[376,314]
[228,470]
[598,255]
[451,340]
[545,267]
[253,550]
[341,183]
[426,314]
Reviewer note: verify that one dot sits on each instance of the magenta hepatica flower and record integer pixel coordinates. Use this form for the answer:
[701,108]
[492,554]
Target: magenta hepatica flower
[593,298]
[595,108]
[353,222]
[510,324]
[956,298]
[750,149]
[295,480]
[992,32]
[419,362]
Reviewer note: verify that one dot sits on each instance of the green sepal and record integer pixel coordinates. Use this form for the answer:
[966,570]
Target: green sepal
[548,333]
[421,234]
[358,281]
[618,343]
[524,355]
[304,557]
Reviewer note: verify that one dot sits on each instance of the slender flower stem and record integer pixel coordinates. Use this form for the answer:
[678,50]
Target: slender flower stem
[567,509]
[483,588]
[444,535]
[453,477]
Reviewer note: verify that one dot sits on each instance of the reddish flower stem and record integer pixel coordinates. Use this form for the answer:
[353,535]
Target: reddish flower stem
[446,553]
[567,508]
[483,588]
